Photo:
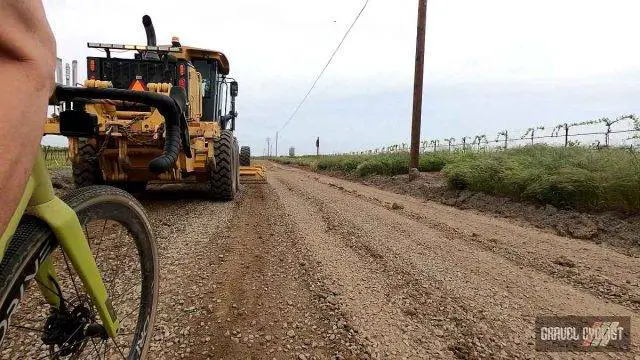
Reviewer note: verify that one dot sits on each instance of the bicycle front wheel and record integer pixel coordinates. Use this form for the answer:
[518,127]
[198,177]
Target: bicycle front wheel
[125,251]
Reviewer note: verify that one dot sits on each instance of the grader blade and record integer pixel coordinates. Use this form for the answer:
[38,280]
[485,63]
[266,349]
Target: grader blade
[252,174]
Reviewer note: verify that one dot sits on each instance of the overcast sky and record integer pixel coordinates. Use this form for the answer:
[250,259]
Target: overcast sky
[490,64]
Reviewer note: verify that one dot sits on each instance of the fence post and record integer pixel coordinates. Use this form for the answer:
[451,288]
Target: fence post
[566,135]
[506,137]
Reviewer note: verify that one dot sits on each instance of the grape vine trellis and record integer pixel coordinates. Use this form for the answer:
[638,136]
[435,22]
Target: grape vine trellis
[563,130]
[532,131]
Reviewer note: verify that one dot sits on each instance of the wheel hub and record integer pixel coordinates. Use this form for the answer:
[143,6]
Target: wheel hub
[66,329]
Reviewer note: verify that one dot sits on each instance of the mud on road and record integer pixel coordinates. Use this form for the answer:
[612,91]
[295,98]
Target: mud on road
[313,267]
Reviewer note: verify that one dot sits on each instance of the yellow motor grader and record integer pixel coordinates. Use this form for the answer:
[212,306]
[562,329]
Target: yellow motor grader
[128,136]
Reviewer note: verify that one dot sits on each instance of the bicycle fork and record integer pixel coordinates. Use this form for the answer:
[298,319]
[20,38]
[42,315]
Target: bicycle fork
[67,229]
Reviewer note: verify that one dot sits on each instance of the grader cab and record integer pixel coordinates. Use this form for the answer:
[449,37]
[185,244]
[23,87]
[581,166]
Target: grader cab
[126,130]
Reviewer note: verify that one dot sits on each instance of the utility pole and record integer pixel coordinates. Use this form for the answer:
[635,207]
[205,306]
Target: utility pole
[276,143]
[59,79]
[67,74]
[417,84]
[268,147]
[74,73]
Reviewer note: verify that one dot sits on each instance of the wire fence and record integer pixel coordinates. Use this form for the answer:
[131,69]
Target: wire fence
[56,157]
[592,136]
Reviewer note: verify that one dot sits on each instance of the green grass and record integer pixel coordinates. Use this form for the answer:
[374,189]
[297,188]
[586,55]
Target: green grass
[56,157]
[573,177]
[364,165]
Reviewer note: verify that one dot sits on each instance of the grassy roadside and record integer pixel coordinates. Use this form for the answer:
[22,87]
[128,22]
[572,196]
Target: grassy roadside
[364,165]
[573,177]
[55,157]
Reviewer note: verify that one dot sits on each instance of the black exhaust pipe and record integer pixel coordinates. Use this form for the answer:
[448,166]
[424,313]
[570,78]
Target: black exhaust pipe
[151,38]
[148,28]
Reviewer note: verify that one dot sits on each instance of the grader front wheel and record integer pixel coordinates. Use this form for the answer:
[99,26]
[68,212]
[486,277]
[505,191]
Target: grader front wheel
[223,178]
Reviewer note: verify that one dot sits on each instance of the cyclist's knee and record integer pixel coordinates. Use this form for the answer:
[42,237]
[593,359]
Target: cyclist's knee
[29,48]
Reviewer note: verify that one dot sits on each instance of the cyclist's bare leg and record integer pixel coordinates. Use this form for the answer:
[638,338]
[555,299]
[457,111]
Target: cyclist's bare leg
[27,65]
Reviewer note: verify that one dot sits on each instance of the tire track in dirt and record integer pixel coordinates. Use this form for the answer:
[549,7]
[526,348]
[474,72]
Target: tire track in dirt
[269,302]
[185,223]
[417,302]
[237,284]
[612,275]
[497,297]
[352,275]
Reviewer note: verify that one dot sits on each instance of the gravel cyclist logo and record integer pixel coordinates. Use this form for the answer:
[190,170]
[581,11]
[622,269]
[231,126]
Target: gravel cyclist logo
[602,333]
[582,333]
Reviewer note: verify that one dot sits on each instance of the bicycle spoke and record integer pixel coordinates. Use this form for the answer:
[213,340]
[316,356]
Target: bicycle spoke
[86,232]
[73,281]
[99,245]
[84,345]
[118,348]
[113,284]
[72,334]
[26,328]
[62,348]
[132,311]
[122,262]
[113,281]
[113,299]
[106,347]
[52,291]
[96,349]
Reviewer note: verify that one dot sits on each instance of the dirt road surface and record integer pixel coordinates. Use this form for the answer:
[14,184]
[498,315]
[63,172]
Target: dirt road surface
[313,267]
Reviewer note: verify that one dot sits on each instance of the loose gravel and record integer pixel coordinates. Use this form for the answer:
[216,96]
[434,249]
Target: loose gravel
[313,267]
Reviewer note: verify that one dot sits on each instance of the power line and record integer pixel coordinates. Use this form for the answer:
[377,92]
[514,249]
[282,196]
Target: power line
[324,68]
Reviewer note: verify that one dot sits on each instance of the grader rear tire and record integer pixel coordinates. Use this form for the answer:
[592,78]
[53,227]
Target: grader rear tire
[86,170]
[245,156]
[223,177]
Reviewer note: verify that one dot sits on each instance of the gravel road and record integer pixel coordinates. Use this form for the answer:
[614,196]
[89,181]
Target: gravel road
[313,267]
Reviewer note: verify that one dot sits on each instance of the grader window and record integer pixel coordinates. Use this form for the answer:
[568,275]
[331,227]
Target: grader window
[208,70]
[223,96]
[206,87]
[205,70]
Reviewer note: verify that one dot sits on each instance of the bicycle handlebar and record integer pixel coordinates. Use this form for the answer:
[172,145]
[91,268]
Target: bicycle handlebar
[170,107]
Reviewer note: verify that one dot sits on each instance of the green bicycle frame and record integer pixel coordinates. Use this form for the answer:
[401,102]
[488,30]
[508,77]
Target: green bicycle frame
[40,200]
